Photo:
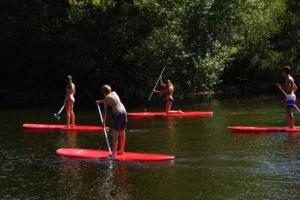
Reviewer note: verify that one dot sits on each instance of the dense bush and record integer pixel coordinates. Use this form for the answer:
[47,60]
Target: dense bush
[231,45]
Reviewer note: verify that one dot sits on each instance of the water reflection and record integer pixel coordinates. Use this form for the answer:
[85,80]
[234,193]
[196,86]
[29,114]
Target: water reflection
[293,137]
[171,123]
[68,139]
[293,145]
[104,179]
[71,139]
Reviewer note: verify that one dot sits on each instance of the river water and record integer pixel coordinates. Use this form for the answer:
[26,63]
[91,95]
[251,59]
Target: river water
[211,163]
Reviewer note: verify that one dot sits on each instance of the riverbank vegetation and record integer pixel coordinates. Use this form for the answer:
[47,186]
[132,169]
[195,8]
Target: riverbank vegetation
[208,45]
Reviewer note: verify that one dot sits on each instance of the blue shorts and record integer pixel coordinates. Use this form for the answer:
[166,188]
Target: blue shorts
[119,120]
[291,101]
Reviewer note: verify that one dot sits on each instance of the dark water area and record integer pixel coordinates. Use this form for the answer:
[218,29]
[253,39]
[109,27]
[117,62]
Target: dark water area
[211,163]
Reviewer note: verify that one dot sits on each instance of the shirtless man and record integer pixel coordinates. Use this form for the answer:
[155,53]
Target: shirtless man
[119,116]
[69,101]
[289,90]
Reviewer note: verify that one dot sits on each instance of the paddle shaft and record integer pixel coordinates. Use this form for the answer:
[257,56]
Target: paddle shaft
[156,83]
[57,115]
[61,109]
[104,129]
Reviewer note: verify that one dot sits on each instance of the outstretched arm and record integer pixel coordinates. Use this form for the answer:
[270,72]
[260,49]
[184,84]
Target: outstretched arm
[156,91]
[99,101]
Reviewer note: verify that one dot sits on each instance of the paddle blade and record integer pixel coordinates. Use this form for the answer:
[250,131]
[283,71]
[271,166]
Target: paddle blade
[57,116]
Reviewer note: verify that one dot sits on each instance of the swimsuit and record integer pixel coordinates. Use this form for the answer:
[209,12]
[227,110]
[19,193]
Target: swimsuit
[169,98]
[290,100]
[119,120]
[71,99]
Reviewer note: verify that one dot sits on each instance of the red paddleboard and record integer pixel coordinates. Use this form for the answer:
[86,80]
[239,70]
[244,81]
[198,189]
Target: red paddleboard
[164,114]
[100,154]
[249,129]
[59,127]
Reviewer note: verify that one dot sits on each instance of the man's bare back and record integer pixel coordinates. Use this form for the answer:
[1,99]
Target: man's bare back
[113,101]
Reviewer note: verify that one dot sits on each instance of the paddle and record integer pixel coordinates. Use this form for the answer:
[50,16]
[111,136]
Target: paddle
[104,129]
[57,115]
[151,94]
[285,94]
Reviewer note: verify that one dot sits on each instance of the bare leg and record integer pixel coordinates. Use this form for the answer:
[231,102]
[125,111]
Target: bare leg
[72,115]
[169,106]
[68,114]
[115,142]
[123,141]
[291,118]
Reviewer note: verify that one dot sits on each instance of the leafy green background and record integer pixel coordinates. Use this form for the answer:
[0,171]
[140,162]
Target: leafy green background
[209,45]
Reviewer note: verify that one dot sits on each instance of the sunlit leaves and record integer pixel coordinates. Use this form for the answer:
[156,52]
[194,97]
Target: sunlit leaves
[204,43]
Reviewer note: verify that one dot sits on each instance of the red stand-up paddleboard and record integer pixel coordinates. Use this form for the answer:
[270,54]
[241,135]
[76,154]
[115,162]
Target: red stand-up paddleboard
[59,127]
[249,129]
[163,114]
[100,154]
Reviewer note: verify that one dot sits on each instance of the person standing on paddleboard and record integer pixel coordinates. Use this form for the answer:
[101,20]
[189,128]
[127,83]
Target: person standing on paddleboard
[166,91]
[289,90]
[69,101]
[119,116]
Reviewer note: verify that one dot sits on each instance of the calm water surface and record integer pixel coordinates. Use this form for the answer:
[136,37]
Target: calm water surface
[211,163]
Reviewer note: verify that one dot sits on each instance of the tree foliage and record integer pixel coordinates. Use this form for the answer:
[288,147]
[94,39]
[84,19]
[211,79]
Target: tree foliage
[205,45]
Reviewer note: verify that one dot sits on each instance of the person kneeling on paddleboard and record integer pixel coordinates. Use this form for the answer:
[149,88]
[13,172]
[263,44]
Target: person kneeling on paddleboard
[289,90]
[167,90]
[69,101]
[119,116]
